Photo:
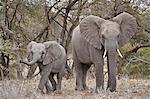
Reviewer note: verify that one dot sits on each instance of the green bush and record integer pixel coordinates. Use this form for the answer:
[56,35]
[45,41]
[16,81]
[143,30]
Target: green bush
[138,65]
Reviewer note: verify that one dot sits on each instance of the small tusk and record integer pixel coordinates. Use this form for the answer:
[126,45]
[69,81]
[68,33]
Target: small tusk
[105,54]
[119,53]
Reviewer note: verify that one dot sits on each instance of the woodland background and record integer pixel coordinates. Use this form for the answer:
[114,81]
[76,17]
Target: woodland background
[22,21]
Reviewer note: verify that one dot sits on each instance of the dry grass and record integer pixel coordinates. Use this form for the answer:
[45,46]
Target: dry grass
[126,89]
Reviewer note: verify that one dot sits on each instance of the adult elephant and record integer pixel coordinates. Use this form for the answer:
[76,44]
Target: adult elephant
[51,59]
[94,36]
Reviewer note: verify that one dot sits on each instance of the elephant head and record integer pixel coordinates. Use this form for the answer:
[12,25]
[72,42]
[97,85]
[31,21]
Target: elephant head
[42,52]
[109,35]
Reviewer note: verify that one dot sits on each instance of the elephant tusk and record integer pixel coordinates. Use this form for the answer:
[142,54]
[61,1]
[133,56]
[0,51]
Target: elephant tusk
[105,54]
[119,53]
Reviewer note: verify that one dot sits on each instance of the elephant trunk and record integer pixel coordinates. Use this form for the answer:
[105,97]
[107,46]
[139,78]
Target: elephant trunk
[111,69]
[25,61]
[32,62]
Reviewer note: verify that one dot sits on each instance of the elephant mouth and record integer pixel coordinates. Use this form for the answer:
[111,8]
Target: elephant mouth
[40,60]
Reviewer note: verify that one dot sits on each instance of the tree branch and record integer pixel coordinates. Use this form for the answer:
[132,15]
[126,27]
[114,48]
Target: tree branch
[68,8]
[10,33]
[134,50]
[41,33]
[14,14]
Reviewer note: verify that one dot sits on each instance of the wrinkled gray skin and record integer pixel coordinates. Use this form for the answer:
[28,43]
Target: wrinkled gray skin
[51,59]
[91,38]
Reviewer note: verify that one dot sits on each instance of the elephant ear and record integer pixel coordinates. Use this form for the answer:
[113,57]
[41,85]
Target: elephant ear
[128,27]
[53,52]
[90,28]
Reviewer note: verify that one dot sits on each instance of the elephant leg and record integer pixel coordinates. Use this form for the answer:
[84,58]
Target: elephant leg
[48,87]
[79,72]
[52,80]
[99,77]
[79,77]
[97,57]
[44,77]
[85,69]
[31,71]
[59,80]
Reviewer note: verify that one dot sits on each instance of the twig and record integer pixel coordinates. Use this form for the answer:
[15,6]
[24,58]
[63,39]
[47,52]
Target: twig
[50,8]
[41,33]
[19,49]
[58,23]
[136,59]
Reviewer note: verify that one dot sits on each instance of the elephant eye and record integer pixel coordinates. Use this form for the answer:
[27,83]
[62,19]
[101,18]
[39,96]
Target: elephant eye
[43,52]
[103,36]
[31,52]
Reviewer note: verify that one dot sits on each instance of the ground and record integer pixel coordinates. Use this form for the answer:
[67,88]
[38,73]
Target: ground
[126,89]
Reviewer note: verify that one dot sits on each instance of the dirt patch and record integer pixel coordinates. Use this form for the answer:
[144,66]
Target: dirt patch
[126,89]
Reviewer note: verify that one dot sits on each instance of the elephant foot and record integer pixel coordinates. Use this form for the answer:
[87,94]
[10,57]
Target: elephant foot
[49,91]
[58,92]
[99,90]
[85,87]
[54,89]
[111,89]
[40,91]
[89,90]
[79,88]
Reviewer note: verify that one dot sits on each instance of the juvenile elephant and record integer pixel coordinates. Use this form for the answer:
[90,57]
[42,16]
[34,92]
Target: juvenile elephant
[94,36]
[51,59]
